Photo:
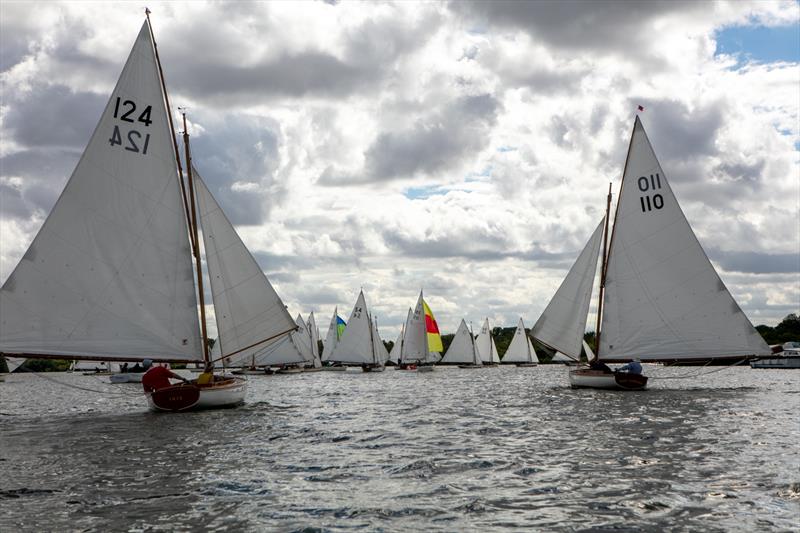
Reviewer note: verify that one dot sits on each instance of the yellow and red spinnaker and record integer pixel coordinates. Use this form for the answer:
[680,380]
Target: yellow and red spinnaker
[432,329]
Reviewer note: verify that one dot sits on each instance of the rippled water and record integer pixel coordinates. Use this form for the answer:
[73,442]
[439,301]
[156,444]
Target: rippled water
[453,450]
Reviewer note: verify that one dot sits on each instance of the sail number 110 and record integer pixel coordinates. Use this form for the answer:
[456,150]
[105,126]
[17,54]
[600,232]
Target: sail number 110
[125,111]
[650,202]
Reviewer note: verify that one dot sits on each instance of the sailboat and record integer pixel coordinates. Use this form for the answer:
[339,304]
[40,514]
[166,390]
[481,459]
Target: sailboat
[110,275]
[520,351]
[486,346]
[660,298]
[397,348]
[313,333]
[462,350]
[335,331]
[360,344]
[422,342]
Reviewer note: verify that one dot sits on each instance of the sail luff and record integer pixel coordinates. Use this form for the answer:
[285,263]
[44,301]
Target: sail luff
[171,123]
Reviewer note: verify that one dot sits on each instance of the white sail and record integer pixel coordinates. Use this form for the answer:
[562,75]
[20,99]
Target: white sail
[394,355]
[415,339]
[520,350]
[14,363]
[663,297]
[562,358]
[288,350]
[314,334]
[355,346]
[250,314]
[379,350]
[304,339]
[332,337]
[462,349]
[486,346]
[109,275]
[588,350]
[563,321]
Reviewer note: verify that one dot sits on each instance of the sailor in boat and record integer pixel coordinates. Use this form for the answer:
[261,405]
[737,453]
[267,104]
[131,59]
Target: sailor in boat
[596,364]
[633,367]
[158,377]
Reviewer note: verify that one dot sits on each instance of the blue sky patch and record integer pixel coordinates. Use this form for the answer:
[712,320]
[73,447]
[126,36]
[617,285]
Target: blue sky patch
[420,193]
[760,44]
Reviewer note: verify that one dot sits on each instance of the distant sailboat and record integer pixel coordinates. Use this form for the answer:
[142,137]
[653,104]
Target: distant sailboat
[520,351]
[660,298]
[335,331]
[360,344]
[313,332]
[110,275]
[462,350]
[394,355]
[486,346]
[422,342]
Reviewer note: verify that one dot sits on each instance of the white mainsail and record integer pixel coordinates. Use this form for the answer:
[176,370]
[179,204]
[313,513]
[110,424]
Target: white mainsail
[304,340]
[520,350]
[250,315]
[563,321]
[394,355]
[287,351]
[462,349]
[332,337]
[109,275]
[355,346]
[485,344]
[663,297]
[379,349]
[314,334]
[415,339]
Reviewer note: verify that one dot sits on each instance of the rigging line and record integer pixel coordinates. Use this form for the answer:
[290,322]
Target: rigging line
[78,387]
[700,373]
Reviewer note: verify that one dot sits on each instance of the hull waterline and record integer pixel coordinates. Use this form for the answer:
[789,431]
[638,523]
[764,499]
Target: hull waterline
[184,397]
[584,378]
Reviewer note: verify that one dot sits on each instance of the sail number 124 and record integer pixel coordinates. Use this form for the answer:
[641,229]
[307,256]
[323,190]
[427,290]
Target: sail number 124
[134,141]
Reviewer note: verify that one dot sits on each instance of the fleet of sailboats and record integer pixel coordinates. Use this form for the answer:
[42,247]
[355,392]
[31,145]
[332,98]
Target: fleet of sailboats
[115,274]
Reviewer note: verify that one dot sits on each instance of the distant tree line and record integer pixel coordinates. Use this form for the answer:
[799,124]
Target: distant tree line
[787,330]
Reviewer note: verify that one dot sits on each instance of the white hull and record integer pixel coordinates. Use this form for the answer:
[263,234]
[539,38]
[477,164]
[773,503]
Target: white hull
[583,378]
[527,364]
[229,394]
[777,362]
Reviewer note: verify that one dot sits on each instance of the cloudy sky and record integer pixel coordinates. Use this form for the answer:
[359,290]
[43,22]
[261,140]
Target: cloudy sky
[460,147]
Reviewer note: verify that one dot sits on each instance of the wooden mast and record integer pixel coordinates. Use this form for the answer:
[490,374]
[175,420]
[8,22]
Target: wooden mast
[171,125]
[195,245]
[602,278]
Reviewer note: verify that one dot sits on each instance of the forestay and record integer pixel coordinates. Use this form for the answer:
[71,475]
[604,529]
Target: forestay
[462,348]
[663,298]
[250,315]
[109,275]
[520,350]
[563,321]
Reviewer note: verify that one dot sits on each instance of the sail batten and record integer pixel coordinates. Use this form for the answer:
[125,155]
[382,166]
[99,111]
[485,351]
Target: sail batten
[663,298]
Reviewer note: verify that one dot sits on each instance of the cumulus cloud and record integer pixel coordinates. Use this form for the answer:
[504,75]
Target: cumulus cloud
[464,148]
